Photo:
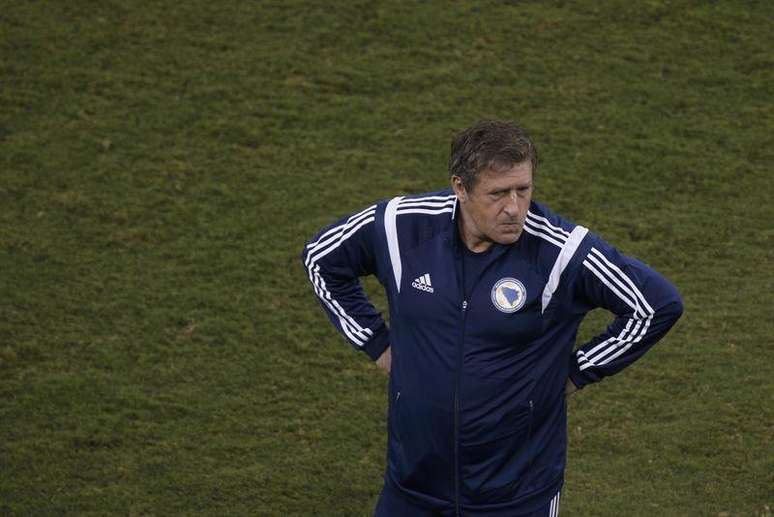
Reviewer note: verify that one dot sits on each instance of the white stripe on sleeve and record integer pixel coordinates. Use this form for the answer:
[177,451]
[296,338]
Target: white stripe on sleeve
[636,327]
[353,219]
[325,244]
[539,219]
[542,234]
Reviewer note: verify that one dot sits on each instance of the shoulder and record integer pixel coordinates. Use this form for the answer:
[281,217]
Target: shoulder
[423,208]
[415,218]
[429,203]
[550,228]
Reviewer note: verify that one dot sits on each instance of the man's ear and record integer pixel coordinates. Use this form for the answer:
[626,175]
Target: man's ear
[459,188]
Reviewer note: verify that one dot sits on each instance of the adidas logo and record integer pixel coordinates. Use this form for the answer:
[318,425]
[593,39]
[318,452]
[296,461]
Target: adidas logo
[423,283]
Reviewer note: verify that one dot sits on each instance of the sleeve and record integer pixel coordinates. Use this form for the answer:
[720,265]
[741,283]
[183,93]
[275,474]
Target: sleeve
[645,304]
[334,260]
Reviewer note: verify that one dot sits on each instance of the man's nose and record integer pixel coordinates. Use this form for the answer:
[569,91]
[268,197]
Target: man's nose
[512,205]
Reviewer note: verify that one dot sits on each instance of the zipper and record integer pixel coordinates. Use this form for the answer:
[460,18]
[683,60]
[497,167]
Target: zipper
[465,297]
[396,411]
[529,433]
[457,413]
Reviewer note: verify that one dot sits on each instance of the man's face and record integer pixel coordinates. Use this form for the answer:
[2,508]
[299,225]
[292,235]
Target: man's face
[495,208]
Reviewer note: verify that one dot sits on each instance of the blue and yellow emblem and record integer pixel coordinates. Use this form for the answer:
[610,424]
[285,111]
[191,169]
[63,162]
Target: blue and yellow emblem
[509,295]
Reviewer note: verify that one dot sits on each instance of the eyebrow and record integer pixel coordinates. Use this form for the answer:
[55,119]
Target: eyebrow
[517,187]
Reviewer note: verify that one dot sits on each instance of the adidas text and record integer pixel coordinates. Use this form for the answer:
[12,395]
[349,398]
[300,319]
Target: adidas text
[423,283]
[422,287]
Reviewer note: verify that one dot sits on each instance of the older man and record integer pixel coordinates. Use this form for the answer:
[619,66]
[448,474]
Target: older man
[486,290]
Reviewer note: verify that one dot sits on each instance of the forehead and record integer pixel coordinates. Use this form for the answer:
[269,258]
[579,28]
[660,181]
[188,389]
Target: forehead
[514,176]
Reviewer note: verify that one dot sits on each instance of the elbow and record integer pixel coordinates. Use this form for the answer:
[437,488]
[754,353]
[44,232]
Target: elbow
[679,307]
[675,307]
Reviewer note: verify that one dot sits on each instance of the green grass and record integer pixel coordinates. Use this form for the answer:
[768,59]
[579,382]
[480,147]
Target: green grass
[162,163]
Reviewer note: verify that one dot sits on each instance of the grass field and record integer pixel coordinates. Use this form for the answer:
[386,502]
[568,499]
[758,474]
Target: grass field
[162,163]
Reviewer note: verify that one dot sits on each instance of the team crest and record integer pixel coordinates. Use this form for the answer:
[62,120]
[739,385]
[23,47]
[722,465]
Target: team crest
[509,295]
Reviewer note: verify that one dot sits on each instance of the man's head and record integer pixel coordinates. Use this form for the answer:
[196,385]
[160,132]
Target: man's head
[491,169]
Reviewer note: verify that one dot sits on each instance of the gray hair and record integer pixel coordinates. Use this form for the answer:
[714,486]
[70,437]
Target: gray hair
[490,144]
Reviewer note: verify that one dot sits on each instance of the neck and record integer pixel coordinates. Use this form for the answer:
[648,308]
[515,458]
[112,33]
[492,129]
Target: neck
[472,239]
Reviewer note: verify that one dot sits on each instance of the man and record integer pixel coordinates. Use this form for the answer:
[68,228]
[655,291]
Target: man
[486,290]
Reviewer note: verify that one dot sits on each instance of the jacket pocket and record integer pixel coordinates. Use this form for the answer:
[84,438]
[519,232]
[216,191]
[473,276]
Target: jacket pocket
[421,445]
[393,410]
[493,467]
[396,414]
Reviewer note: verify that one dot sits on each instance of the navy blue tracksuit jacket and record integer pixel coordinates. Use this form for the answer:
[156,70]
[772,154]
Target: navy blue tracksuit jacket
[477,415]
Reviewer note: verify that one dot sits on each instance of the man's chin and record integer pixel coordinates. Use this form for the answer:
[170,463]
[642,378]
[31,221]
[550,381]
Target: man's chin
[508,237]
